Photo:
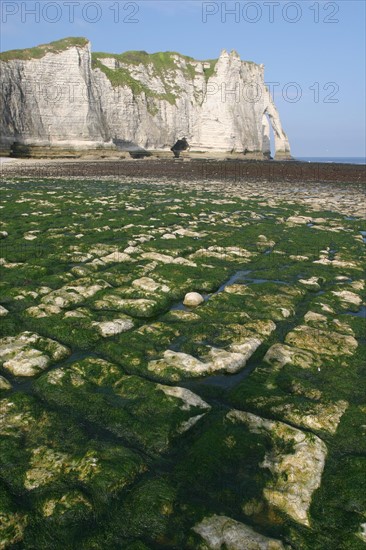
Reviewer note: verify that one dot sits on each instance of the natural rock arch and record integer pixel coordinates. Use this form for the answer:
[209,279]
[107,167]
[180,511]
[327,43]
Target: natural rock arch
[266,136]
[281,144]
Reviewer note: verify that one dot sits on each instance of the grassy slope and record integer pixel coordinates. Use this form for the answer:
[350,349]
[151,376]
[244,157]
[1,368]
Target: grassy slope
[161,64]
[40,51]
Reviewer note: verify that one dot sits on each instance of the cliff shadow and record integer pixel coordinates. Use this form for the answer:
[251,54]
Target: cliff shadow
[134,150]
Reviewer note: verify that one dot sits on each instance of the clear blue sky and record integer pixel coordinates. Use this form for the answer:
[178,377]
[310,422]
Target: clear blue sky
[315,44]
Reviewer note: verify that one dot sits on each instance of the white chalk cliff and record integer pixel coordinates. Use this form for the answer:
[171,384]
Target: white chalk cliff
[62,95]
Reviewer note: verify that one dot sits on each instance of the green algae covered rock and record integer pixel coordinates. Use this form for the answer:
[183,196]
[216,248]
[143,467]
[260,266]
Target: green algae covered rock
[244,419]
[281,354]
[323,342]
[40,450]
[149,510]
[147,415]
[12,522]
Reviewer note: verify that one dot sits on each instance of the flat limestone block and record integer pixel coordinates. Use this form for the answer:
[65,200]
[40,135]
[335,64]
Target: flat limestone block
[28,353]
[222,531]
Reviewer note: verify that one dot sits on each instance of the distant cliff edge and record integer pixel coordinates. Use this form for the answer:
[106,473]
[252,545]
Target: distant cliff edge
[62,95]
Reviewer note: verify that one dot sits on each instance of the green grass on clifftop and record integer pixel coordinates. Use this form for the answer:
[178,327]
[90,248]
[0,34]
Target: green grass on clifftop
[161,62]
[41,50]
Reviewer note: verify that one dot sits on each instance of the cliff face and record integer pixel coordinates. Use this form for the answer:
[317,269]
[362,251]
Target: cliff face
[64,96]
[51,100]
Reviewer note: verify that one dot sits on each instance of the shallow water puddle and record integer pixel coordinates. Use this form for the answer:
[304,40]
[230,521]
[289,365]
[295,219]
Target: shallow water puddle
[361,313]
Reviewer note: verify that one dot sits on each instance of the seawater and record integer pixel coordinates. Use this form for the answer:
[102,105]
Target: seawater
[340,160]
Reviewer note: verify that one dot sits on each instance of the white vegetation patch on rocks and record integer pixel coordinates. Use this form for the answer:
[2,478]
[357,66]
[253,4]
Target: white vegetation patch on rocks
[182,315]
[165,259]
[285,312]
[296,474]
[12,420]
[79,312]
[223,532]
[10,265]
[88,291]
[188,233]
[326,308]
[187,425]
[189,400]
[63,504]
[348,297]
[76,257]
[116,258]
[230,360]
[47,464]
[324,260]
[132,250]
[4,383]
[362,532]
[264,242]
[279,355]
[178,360]
[102,249]
[223,252]
[239,289]
[42,290]
[27,354]
[116,326]
[3,311]
[298,257]
[342,327]
[30,236]
[55,376]
[299,220]
[43,310]
[26,294]
[358,285]
[323,342]
[149,285]
[312,283]
[312,316]
[245,349]
[74,294]
[314,416]
[27,362]
[115,302]
[11,529]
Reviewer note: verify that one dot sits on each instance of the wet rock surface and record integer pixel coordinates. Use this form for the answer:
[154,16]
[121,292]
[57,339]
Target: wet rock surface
[296,474]
[238,423]
[219,531]
[27,354]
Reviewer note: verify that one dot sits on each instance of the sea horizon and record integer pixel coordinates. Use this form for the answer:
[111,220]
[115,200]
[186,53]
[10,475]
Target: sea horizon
[340,160]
